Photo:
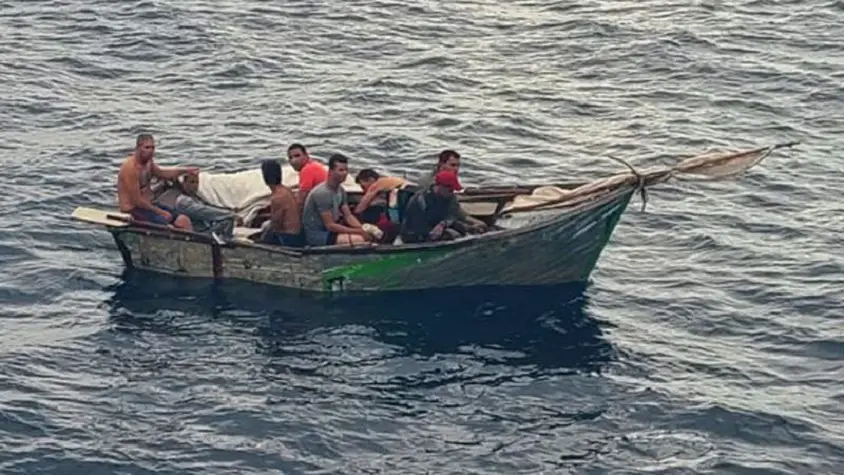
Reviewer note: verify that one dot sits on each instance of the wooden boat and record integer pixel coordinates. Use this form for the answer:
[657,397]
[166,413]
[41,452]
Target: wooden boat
[560,248]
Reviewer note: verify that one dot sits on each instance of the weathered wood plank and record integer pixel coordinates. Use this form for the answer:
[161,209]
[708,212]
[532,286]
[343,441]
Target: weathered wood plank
[97,216]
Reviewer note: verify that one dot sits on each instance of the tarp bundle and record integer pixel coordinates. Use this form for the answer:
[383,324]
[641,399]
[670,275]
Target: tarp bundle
[709,166]
[245,192]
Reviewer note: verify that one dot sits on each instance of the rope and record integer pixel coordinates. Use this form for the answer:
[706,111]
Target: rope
[643,181]
[640,179]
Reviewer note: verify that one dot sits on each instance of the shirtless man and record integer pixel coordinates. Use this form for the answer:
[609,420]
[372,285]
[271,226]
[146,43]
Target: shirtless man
[285,224]
[311,172]
[134,195]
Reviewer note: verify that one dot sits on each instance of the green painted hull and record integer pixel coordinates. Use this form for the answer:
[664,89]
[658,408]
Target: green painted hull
[558,250]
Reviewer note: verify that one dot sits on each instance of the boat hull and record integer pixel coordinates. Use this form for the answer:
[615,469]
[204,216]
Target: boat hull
[562,249]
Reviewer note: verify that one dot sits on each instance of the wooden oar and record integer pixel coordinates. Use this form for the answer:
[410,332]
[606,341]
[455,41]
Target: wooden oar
[96,216]
[122,220]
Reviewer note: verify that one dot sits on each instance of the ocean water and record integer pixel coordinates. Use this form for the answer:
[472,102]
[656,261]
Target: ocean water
[709,340]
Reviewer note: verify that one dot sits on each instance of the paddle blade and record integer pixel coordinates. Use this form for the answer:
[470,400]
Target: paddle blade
[105,218]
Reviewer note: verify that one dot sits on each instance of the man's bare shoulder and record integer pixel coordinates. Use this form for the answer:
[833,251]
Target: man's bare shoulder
[283,197]
[128,167]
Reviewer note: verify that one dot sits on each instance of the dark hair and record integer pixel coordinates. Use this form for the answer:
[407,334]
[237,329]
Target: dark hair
[367,174]
[271,170]
[337,158]
[447,154]
[143,138]
[295,146]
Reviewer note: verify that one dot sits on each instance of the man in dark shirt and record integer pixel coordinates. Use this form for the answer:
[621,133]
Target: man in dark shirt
[429,214]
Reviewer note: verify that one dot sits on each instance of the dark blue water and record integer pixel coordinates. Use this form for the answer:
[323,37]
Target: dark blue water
[710,339]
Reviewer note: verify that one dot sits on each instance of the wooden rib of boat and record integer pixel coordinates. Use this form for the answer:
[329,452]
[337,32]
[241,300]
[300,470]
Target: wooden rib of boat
[562,248]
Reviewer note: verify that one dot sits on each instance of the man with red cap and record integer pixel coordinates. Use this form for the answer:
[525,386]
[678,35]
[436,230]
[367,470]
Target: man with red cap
[429,215]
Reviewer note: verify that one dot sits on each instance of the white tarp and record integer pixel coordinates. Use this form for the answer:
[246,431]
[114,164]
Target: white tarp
[539,196]
[245,192]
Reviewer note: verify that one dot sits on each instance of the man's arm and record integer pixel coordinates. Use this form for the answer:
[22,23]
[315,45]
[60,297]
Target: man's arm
[377,187]
[366,199]
[171,173]
[333,227]
[458,214]
[351,219]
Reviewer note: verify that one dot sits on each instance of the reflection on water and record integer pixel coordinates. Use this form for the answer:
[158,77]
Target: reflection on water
[547,327]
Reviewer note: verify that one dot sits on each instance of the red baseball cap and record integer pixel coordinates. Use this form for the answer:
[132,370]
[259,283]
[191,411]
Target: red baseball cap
[448,178]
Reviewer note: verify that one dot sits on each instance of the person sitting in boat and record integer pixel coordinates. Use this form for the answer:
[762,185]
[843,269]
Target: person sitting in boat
[311,171]
[327,218]
[284,227]
[449,160]
[373,205]
[204,217]
[134,192]
[429,215]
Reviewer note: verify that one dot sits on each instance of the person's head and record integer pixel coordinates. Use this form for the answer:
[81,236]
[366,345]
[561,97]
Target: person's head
[189,184]
[271,170]
[298,156]
[144,148]
[448,160]
[366,177]
[338,169]
[446,183]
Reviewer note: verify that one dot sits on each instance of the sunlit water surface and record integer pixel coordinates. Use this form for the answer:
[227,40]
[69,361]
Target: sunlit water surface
[710,339]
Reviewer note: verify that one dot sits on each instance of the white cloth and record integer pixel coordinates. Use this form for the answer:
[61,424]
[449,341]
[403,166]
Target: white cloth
[540,196]
[245,192]
[242,192]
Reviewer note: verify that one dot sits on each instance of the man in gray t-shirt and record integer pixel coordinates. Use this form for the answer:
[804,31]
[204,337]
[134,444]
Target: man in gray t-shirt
[326,217]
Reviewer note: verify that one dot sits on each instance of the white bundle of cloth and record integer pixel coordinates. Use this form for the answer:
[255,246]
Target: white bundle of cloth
[245,192]
[539,196]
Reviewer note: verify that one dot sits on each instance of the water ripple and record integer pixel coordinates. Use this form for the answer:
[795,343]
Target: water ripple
[709,336]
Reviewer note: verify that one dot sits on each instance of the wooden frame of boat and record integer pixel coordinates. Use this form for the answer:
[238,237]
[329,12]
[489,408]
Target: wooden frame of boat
[562,248]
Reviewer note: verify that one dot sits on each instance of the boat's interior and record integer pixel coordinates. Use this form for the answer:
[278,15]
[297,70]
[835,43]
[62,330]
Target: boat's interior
[245,193]
[483,203]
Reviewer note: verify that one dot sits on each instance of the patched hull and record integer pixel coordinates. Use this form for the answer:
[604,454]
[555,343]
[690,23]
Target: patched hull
[560,250]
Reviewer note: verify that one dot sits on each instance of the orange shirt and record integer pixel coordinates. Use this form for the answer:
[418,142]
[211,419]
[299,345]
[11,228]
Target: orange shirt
[311,175]
[385,183]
